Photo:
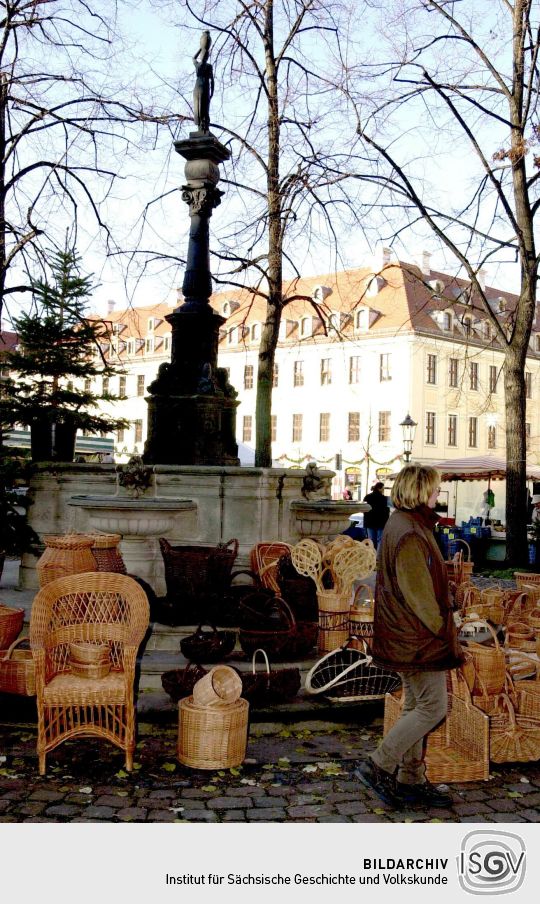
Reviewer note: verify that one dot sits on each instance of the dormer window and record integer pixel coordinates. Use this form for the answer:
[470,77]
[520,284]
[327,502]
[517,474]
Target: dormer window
[131,346]
[255,332]
[149,345]
[231,336]
[467,326]
[362,319]
[334,321]
[447,321]
[487,330]
[226,309]
[305,326]
[537,342]
[151,324]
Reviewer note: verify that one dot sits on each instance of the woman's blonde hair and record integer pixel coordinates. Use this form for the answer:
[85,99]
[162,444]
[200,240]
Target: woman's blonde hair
[414,485]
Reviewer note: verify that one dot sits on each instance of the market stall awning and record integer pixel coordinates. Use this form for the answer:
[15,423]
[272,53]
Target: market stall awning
[478,468]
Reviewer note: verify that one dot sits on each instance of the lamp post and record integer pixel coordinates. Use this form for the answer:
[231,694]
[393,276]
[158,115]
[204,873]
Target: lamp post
[408,427]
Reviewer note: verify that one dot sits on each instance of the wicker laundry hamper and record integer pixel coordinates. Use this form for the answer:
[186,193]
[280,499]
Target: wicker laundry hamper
[212,737]
[106,553]
[65,555]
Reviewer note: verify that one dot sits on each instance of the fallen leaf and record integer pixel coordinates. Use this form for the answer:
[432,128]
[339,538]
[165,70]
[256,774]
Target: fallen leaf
[310,768]
[121,774]
[209,788]
[169,767]
[524,780]
[86,790]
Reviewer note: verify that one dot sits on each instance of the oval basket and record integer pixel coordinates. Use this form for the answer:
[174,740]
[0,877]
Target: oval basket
[208,646]
[17,670]
[269,685]
[179,683]
[348,675]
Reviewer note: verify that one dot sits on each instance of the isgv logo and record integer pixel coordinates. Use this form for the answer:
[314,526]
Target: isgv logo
[491,863]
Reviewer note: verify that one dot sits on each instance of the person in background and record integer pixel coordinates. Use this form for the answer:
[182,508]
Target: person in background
[535,515]
[414,635]
[375,520]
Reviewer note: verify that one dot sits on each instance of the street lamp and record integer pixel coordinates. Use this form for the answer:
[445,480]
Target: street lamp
[408,427]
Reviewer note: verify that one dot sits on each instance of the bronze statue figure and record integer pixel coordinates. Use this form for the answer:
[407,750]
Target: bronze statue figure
[204,84]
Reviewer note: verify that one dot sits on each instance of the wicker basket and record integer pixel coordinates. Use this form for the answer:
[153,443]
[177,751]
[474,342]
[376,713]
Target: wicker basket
[270,685]
[89,653]
[11,622]
[533,619]
[526,577]
[490,665]
[512,737]
[208,646]
[195,576]
[348,675]
[212,737]
[333,630]
[106,553]
[179,683]
[220,687]
[520,636]
[457,750]
[65,555]
[17,670]
[361,616]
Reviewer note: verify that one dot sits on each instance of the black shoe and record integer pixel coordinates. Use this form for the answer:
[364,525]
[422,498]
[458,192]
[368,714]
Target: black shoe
[379,781]
[424,794]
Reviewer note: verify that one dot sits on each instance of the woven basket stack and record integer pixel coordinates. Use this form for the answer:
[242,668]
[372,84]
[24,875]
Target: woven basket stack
[213,722]
[334,569]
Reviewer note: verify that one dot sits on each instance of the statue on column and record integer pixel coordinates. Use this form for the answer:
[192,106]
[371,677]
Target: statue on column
[204,84]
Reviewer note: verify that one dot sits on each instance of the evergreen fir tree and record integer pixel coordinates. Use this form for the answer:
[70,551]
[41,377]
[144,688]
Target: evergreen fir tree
[59,348]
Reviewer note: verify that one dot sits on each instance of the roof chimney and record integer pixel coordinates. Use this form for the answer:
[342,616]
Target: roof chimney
[110,305]
[481,277]
[425,265]
[381,258]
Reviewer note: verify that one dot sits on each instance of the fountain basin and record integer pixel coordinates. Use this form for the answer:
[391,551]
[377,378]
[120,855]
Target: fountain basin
[324,517]
[133,517]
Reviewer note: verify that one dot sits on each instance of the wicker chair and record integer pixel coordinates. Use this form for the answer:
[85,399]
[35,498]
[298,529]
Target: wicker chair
[89,607]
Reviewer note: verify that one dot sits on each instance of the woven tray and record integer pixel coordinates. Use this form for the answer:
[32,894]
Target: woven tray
[212,738]
[348,675]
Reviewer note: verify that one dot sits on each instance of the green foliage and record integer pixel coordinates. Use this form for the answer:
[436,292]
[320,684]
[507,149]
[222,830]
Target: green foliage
[56,352]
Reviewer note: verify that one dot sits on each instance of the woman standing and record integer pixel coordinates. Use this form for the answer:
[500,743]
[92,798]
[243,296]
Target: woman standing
[415,635]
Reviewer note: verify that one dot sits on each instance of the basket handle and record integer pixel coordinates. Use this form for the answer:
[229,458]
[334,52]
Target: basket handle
[9,651]
[363,588]
[350,668]
[490,629]
[209,625]
[290,613]
[233,544]
[260,650]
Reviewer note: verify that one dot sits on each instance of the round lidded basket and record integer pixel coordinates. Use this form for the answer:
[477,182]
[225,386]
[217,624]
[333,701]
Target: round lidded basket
[106,553]
[83,653]
[221,686]
[11,622]
[90,670]
[212,737]
[65,555]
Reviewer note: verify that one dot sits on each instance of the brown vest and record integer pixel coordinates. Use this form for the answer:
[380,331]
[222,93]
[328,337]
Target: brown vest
[401,641]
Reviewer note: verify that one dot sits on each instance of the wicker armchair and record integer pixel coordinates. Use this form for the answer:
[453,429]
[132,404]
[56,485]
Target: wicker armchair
[88,607]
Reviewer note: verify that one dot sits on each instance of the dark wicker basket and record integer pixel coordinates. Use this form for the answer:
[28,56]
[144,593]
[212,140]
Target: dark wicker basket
[179,683]
[208,646]
[270,685]
[274,638]
[197,576]
[299,591]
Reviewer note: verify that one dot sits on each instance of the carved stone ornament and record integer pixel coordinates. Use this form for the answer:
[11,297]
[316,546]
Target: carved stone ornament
[201,201]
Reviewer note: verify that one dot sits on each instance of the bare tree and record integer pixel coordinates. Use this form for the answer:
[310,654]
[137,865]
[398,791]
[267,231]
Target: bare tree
[279,67]
[463,77]
[67,124]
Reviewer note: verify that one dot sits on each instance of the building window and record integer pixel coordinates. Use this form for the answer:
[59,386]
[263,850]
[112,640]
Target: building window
[362,319]
[384,367]
[275,376]
[122,387]
[528,384]
[324,427]
[452,429]
[537,342]
[149,345]
[493,377]
[353,431]
[248,376]
[255,332]
[430,428]
[246,428]
[431,375]
[487,330]
[326,371]
[492,437]
[298,373]
[297,428]
[473,432]
[120,433]
[447,322]
[140,384]
[166,343]
[138,431]
[305,326]
[527,436]
[354,369]
[384,427]
[473,375]
[273,428]
[105,386]
[151,324]
[467,326]
[88,385]
[131,346]
[231,335]
[453,372]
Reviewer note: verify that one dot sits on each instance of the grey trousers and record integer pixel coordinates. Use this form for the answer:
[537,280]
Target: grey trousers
[425,705]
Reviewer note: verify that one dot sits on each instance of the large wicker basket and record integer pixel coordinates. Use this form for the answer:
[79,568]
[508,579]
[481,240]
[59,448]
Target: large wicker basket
[106,553]
[512,737]
[65,555]
[196,576]
[212,737]
[348,675]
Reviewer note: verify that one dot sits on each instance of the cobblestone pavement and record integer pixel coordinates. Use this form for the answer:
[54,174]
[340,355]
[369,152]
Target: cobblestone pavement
[302,772]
